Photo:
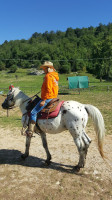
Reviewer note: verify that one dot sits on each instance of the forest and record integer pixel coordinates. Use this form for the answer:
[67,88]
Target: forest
[81,49]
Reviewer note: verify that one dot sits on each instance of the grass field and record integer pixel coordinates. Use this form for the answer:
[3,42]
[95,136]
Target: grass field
[31,178]
[32,84]
[22,79]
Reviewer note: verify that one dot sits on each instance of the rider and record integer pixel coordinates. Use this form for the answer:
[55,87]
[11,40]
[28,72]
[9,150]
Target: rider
[49,90]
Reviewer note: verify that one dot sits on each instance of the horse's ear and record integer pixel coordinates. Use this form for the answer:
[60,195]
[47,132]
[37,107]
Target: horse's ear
[11,87]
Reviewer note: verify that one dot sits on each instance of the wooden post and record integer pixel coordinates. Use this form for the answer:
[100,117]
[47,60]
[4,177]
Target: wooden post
[7,112]
[107,88]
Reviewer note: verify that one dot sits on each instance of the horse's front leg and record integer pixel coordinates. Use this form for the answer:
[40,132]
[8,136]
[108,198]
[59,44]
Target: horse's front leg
[44,142]
[28,141]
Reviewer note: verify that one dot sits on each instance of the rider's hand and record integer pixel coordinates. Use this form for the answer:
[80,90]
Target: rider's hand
[42,103]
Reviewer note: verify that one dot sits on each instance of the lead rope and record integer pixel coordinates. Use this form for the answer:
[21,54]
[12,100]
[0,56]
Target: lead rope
[31,97]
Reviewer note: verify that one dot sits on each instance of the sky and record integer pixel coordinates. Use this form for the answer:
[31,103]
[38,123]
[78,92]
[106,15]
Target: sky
[19,19]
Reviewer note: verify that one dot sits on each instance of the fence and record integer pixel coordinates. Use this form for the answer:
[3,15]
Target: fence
[62,89]
[26,90]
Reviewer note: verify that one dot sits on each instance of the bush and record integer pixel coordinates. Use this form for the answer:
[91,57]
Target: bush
[2,66]
[13,68]
[65,69]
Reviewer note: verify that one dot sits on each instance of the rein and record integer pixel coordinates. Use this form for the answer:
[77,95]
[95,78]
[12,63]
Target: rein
[23,102]
[31,97]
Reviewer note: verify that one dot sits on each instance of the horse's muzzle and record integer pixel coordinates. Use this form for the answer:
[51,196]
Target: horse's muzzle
[4,106]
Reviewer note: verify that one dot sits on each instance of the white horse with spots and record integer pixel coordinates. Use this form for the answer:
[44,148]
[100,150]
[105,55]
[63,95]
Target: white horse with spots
[73,116]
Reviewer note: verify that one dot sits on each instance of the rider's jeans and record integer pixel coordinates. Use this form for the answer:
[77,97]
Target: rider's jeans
[37,109]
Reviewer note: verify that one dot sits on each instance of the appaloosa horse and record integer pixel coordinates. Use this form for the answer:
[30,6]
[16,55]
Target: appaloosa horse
[73,116]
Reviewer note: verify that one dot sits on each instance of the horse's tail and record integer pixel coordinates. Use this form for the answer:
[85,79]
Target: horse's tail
[99,126]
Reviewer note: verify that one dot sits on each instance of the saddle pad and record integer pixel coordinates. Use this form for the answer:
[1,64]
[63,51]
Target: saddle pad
[43,115]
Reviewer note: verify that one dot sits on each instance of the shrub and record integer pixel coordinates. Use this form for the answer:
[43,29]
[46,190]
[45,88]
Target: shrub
[13,68]
[65,69]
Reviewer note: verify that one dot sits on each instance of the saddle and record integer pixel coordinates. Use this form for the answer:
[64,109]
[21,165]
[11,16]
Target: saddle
[51,110]
[52,113]
[51,106]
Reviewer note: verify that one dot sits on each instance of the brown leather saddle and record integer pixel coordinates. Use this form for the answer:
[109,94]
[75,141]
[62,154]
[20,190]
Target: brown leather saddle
[51,106]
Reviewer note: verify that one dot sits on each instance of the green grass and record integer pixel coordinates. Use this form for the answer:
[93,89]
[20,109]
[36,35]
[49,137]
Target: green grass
[100,99]
[25,80]
[11,121]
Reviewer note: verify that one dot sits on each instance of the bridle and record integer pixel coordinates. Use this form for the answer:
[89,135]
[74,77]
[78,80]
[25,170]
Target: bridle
[9,101]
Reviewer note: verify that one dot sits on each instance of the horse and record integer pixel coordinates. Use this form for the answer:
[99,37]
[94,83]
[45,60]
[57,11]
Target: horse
[73,116]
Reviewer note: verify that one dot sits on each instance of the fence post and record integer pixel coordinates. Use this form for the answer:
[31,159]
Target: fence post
[107,88]
[7,112]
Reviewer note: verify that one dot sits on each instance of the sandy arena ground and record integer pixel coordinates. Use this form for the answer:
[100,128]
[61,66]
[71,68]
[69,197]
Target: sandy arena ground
[30,179]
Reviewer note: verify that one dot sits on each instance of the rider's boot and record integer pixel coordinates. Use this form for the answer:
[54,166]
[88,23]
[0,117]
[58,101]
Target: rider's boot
[30,130]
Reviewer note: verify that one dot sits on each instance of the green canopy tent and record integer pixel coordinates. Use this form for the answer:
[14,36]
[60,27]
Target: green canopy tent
[78,82]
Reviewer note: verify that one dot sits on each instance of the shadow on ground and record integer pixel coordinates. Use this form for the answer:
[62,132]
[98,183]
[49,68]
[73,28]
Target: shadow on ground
[13,157]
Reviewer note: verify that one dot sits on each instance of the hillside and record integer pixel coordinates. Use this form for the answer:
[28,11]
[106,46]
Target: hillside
[73,50]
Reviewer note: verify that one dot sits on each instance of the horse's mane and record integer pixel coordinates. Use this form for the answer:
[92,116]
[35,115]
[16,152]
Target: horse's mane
[17,91]
[19,95]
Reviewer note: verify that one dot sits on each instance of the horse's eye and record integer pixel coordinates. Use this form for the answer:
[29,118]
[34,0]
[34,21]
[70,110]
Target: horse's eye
[9,96]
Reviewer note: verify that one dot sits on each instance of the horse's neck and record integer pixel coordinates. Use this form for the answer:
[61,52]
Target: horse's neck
[21,101]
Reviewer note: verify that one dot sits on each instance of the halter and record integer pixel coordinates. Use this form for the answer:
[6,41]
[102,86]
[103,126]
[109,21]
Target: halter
[7,104]
[10,97]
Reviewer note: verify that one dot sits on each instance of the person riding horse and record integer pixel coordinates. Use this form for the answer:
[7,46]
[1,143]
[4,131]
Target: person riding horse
[73,117]
[49,90]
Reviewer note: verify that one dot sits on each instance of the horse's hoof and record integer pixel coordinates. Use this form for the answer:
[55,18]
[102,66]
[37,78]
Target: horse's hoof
[76,168]
[24,156]
[47,162]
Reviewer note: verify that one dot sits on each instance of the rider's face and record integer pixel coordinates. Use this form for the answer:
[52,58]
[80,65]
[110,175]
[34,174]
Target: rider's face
[45,70]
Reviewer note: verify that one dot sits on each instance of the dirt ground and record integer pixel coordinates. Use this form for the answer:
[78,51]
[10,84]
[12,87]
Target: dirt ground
[30,179]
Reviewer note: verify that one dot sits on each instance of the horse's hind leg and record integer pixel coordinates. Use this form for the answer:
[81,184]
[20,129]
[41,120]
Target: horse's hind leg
[82,146]
[44,142]
[28,141]
[81,140]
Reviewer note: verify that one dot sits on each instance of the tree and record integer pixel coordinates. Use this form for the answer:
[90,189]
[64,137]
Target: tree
[65,69]
[13,68]
[46,57]
[70,33]
[72,50]
[2,66]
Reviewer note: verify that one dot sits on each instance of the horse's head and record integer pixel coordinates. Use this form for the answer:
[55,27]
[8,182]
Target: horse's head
[9,102]
[15,97]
